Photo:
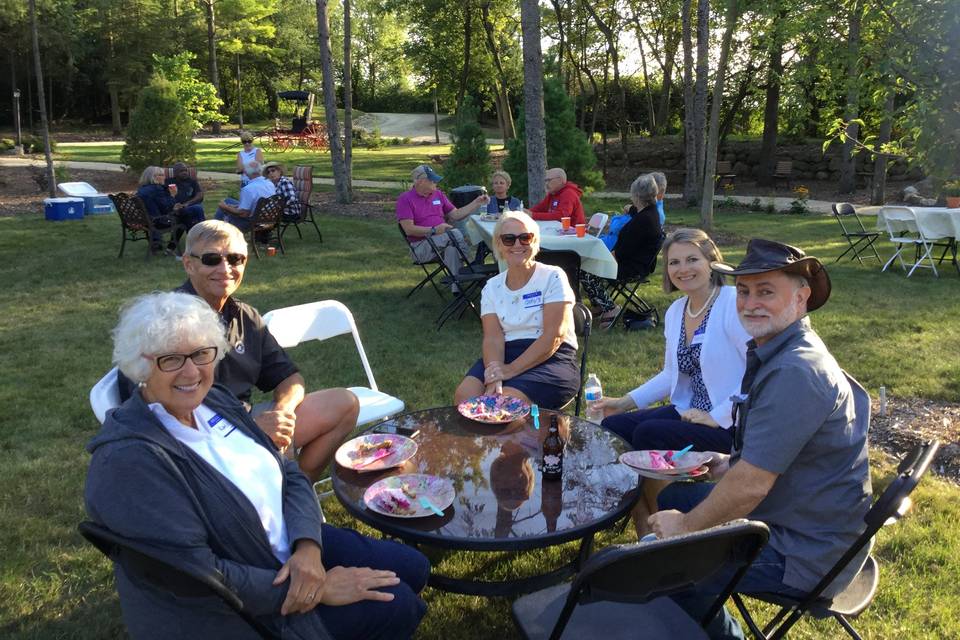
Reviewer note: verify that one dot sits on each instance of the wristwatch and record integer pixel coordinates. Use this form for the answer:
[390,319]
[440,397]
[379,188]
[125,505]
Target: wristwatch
[433,231]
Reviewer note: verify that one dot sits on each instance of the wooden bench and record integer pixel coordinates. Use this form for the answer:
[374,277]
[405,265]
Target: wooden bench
[724,173]
[783,172]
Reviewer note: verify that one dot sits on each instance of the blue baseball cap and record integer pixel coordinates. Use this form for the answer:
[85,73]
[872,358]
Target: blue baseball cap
[424,171]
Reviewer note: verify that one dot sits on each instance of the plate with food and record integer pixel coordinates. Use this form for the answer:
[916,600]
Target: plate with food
[699,472]
[661,461]
[497,409]
[489,217]
[409,495]
[375,452]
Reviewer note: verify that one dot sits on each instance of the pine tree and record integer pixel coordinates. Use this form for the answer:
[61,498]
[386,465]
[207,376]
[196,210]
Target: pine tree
[160,131]
[469,161]
[567,146]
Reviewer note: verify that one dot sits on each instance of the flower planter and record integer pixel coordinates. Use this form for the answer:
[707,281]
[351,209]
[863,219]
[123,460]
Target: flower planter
[953,202]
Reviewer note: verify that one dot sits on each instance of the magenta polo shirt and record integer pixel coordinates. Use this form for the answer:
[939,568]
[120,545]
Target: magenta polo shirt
[425,211]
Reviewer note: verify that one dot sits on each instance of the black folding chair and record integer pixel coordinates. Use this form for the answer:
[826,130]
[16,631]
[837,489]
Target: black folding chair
[619,592]
[567,260]
[583,324]
[892,505]
[469,281]
[859,240]
[626,290]
[180,582]
[428,275]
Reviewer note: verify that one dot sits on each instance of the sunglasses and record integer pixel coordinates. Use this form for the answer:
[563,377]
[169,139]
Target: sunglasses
[510,239]
[175,361]
[213,259]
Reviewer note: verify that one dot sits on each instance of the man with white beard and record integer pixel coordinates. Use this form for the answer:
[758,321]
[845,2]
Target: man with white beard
[799,459]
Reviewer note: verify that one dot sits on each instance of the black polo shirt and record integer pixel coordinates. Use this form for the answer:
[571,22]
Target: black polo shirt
[254,360]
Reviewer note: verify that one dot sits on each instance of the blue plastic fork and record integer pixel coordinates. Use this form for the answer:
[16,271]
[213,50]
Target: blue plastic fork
[677,455]
[535,414]
[426,504]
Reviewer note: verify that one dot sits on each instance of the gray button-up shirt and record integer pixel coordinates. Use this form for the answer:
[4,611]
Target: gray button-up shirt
[806,420]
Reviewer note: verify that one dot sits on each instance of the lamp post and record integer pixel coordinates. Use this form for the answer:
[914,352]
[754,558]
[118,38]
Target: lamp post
[16,119]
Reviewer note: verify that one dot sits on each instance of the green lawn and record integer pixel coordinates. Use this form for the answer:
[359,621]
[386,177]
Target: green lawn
[65,285]
[390,163]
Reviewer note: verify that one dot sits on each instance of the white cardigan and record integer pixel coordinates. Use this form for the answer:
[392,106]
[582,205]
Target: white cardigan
[723,358]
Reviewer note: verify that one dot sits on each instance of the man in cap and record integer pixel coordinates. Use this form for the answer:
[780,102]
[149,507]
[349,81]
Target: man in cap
[188,196]
[799,460]
[562,199]
[273,171]
[238,212]
[424,211]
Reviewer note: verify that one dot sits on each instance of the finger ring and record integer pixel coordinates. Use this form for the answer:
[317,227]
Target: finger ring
[312,596]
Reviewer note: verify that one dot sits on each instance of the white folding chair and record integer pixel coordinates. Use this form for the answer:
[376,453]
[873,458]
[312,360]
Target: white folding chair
[326,319]
[901,222]
[596,224]
[105,395]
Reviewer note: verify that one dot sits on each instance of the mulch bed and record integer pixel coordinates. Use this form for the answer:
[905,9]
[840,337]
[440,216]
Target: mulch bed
[909,421]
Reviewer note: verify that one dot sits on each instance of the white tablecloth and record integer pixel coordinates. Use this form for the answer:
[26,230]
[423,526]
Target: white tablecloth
[939,222]
[595,258]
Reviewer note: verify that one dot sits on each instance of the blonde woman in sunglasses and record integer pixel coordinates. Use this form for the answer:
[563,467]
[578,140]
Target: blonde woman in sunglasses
[529,343]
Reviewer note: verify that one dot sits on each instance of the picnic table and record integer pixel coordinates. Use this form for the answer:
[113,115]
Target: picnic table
[502,501]
[595,258]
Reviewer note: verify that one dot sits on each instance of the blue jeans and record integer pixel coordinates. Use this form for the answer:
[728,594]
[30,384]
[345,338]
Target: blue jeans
[240,223]
[765,574]
[662,428]
[369,619]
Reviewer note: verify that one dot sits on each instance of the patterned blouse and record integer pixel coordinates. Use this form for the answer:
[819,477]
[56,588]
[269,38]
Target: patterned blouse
[688,361]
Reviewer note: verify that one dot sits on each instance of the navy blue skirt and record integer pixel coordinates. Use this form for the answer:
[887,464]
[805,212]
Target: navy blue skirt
[550,384]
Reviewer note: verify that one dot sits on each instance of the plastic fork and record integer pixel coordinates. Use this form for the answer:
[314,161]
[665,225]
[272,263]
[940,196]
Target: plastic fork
[535,414]
[426,504]
[383,453]
[673,457]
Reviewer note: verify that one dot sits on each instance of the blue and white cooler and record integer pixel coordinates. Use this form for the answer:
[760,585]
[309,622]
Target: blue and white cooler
[59,209]
[93,202]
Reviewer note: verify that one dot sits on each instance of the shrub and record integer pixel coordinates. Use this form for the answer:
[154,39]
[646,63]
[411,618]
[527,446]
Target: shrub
[198,96]
[34,144]
[6,144]
[375,141]
[469,161]
[160,131]
[567,146]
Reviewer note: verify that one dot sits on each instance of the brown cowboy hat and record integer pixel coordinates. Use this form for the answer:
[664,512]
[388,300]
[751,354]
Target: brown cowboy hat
[768,255]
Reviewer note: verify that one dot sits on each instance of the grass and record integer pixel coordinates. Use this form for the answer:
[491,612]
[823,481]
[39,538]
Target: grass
[64,286]
[389,164]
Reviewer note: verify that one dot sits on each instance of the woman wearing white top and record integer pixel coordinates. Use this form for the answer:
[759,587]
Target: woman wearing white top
[529,341]
[704,360]
[245,156]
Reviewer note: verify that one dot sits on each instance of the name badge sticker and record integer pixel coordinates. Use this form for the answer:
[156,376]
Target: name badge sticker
[699,335]
[217,422]
[533,299]
[436,202]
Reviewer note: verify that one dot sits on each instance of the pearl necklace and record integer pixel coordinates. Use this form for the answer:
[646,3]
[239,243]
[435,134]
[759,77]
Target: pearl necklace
[713,292]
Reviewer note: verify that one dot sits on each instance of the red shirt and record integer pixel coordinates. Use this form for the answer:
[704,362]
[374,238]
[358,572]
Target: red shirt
[563,203]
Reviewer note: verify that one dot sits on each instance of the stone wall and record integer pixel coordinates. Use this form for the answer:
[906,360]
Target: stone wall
[809,161]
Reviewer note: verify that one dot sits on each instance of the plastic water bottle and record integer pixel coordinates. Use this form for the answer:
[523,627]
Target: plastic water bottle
[593,393]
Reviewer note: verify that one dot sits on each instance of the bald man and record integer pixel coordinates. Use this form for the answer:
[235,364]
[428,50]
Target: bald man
[562,199]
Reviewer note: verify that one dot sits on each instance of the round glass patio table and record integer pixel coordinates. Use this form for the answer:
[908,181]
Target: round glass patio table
[502,501]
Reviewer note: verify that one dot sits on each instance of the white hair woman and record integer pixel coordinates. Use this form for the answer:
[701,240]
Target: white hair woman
[182,471]
[529,342]
[159,203]
[501,200]
[635,248]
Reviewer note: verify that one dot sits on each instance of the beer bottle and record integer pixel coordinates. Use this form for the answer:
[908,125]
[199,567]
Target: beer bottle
[553,452]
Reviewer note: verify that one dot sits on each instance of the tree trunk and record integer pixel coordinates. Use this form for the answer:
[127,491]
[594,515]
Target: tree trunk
[848,175]
[771,108]
[212,53]
[561,42]
[611,39]
[239,94]
[533,99]
[706,200]
[38,72]
[700,88]
[504,111]
[467,37]
[114,107]
[651,114]
[878,192]
[330,105]
[690,184]
[436,117]
[348,96]
[663,110]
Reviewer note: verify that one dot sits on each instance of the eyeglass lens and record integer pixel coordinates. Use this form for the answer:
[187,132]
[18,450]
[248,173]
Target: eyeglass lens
[174,361]
[510,239]
[213,259]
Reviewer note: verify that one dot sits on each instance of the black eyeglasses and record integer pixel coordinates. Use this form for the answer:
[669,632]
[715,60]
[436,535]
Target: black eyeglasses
[213,259]
[510,239]
[174,361]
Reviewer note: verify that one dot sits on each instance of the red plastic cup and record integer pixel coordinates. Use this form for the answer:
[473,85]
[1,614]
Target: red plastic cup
[173,189]
[271,251]
[581,230]
[565,222]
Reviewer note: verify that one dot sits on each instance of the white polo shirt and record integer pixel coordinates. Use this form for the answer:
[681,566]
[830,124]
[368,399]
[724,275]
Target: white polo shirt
[521,312]
[244,462]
